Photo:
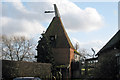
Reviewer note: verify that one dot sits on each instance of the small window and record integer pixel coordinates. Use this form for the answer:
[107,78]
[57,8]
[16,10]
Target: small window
[53,38]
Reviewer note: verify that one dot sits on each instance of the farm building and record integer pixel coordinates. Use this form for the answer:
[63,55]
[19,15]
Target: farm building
[62,48]
[109,59]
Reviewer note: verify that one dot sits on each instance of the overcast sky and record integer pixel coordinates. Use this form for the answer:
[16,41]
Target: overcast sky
[91,24]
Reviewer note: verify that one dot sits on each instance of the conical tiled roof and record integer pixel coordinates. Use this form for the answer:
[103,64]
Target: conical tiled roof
[56,28]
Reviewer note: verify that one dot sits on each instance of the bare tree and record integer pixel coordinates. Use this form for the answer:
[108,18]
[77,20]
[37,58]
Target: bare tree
[76,46]
[17,48]
[84,52]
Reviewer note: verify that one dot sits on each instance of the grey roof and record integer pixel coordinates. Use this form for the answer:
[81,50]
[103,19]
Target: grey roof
[111,43]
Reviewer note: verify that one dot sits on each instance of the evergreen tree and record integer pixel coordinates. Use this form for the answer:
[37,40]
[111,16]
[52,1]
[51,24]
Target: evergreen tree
[44,51]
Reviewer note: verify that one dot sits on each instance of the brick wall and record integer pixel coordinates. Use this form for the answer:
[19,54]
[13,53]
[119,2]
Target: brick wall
[61,55]
[71,54]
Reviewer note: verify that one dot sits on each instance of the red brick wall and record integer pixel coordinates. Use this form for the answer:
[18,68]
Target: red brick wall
[71,59]
[63,55]
[71,54]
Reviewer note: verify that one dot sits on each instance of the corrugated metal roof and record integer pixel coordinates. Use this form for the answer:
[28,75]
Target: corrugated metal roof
[111,43]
